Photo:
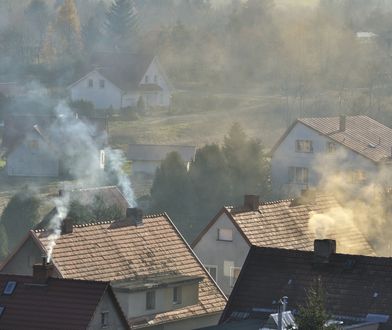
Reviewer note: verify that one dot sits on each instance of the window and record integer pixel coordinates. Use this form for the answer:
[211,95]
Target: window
[213,270]
[225,234]
[234,273]
[2,308]
[102,83]
[90,83]
[298,175]
[331,147]
[104,319]
[9,287]
[356,176]
[177,295]
[150,300]
[303,146]
[155,78]
[146,79]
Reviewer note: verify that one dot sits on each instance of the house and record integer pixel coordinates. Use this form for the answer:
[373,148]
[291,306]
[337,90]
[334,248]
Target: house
[156,277]
[357,148]
[357,288]
[222,246]
[43,302]
[146,158]
[119,80]
[11,89]
[34,146]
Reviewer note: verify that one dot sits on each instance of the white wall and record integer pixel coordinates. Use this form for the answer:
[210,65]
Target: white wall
[102,98]
[286,156]
[223,254]
[159,98]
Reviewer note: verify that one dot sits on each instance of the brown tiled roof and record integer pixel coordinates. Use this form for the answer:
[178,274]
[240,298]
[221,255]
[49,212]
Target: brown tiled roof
[354,285]
[363,135]
[284,224]
[60,304]
[110,251]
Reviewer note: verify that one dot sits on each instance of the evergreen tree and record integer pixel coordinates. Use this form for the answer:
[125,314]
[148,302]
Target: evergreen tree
[121,22]
[3,243]
[19,216]
[313,316]
[68,28]
[48,48]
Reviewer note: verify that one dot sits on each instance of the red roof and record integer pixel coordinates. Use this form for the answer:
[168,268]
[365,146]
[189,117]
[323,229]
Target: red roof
[59,304]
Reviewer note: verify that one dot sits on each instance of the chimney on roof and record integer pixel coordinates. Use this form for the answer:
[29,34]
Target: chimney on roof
[67,226]
[251,202]
[323,249]
[42,271]
[135,216]
[342,123]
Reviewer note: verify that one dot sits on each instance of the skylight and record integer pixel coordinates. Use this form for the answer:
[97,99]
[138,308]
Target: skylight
[9,287]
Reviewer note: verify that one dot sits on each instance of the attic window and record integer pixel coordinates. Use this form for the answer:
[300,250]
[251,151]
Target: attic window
[225,235]
[102,83]
[303,146]
[90,83]
[150,300]
[177,295]
[2,308]
[104,319]
[331,147]
[9,288]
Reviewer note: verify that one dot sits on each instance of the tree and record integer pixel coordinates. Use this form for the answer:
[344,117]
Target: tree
[171,190]
[68,28]
[313,316]
[19,216]
[121,21]
[3,243]
[48,48]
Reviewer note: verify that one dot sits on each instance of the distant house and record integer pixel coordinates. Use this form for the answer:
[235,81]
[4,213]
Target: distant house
[224,243]
[146,158]
[360,146]
[155,275]
[120,80]
[358,289]
[40,302]
[30,148]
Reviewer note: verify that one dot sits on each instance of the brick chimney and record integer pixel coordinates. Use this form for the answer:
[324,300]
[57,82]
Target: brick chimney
[42,271]
[67,226]
[342,123]
[323,249]
[251,202]
[135,216]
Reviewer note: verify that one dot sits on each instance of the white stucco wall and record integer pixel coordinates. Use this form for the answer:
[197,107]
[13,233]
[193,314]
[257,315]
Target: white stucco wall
[319,162]
[102,98]
[222,254]
[159,98]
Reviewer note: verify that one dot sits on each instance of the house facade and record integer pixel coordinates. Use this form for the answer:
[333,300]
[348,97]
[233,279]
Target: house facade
[157,279]
[356,148]
[121,85]
[55,303]
[225,242]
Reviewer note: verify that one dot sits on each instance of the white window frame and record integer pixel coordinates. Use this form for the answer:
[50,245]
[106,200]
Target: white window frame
[299,175]
[304,146]
[221,237]
[232,278]
[208,267]
[104,317]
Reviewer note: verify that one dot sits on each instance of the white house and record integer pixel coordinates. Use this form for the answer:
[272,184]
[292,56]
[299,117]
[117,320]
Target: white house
[357,148]
[120,82]
[224,243]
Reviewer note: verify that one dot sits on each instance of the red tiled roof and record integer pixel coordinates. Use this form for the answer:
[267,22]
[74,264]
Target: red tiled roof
[362,134]
[110,251]
[354,285]
[60,304]
[283,224]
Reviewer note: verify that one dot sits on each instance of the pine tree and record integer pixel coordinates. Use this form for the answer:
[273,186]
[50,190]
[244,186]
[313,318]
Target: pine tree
[68,28]
[48,48]
[121,21]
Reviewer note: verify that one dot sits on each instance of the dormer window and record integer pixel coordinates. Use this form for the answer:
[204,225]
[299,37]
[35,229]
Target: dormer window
[225,234]
[177,295]
[303,146]
[101,83]
[146,79]
[90,83]
[150,300]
